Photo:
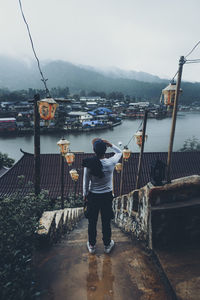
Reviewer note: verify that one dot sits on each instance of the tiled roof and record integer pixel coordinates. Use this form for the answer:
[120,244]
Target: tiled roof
[183,164]
[3,170]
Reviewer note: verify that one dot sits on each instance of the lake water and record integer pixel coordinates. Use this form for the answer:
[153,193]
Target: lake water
[158,131]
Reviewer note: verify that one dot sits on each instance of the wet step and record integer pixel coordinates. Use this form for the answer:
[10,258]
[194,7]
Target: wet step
[68,271]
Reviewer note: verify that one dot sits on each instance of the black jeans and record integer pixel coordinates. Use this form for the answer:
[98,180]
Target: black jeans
[103,203]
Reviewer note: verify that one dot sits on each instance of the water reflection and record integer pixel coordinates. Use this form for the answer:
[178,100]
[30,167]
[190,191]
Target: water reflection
[100,282]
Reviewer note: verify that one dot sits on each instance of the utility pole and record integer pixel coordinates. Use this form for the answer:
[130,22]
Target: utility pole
[36,145]
[142,149]
[181,63]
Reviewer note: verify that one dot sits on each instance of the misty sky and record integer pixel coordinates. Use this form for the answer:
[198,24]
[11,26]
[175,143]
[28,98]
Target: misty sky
[140,35]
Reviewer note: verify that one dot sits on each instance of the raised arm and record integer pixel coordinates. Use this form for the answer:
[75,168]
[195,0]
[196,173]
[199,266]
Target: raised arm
[86,181]
[118,152]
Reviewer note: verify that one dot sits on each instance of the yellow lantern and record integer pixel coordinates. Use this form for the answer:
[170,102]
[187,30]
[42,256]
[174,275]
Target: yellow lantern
[74,174]
[64,146]
[118,167]
[138,137]
[47,108]
[126,153]
[70,158]
[169,93]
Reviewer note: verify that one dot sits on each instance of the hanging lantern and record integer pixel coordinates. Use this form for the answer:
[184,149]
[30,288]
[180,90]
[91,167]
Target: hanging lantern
[126,153]
[74,174]
[70,158]
[169,93]
[138,137]
[118,167]
[64,146]
[47,108]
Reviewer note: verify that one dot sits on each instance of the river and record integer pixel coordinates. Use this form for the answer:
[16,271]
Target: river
[158,131]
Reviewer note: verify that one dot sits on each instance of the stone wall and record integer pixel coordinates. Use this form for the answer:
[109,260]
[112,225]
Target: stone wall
[161,215]
[53,224]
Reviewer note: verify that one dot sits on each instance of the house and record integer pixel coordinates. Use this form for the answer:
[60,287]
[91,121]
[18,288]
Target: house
[8,125]
[80,116]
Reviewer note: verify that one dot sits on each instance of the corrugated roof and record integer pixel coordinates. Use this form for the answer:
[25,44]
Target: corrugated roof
[183,164]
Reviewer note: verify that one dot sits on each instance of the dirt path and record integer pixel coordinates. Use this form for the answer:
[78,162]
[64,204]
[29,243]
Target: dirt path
[68,272]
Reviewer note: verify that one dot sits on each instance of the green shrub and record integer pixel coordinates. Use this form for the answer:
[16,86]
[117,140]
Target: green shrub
[19,216]
[6,161]
[69,202]
[191,144]
[18,224]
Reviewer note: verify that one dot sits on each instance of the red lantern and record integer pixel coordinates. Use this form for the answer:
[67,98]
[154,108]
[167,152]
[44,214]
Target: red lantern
[70,158]
[47,108]
[126,154]
[74,174]
[169,94]
[138,137]
[118,167]
[64,146]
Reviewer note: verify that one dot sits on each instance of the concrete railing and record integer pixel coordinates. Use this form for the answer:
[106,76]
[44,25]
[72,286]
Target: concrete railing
[53,224]
[161,214]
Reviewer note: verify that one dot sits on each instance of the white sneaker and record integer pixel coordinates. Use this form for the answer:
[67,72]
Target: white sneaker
[91,249]
[108,248]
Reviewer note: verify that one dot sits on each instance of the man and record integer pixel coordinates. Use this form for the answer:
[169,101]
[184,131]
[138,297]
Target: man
[97,191]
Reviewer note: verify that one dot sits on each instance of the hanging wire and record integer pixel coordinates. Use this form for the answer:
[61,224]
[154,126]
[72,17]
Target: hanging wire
[174,76]
[34,52]
[189,61]
[193,61]
[192,49]
[133,135]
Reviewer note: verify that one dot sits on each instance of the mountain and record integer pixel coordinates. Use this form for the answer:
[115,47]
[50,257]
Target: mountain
[114,72]
[17,75]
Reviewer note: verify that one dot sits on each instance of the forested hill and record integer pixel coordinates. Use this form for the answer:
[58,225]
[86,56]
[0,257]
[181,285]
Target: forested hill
[17,75]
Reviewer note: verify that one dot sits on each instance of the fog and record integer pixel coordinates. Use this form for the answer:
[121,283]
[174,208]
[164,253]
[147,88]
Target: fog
[143,35]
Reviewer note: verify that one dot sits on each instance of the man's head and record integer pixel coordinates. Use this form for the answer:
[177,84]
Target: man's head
[99,147]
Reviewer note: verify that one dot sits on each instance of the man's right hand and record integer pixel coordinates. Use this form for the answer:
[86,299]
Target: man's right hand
[108,144]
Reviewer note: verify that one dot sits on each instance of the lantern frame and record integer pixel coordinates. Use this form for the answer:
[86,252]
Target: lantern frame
[70,157]
[118,167]
[47,108]
[138,137]
[63,145]
[126,153]
[74,174]
[169,93]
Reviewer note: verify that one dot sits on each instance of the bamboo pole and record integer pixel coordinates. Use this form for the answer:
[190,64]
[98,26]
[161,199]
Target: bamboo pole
[142,150]
[36,146]
[121,178]
[62,180]
[181,63]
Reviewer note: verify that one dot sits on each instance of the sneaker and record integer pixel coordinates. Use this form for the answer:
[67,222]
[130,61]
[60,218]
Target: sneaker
[91,248]
[108,248]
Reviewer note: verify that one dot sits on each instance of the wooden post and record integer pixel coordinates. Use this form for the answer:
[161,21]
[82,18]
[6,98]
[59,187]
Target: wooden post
[62,180]
[36,146]
[142,149]
[75,188]
[181,63]
[121,178]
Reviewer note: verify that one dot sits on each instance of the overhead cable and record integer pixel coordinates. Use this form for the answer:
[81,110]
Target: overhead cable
[33,48]
[192,49]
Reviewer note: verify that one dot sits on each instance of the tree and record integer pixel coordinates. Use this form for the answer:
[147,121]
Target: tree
[191,144]
[6,161]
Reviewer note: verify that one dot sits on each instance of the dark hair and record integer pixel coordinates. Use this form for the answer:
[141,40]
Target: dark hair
[99,147]
[95,166]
